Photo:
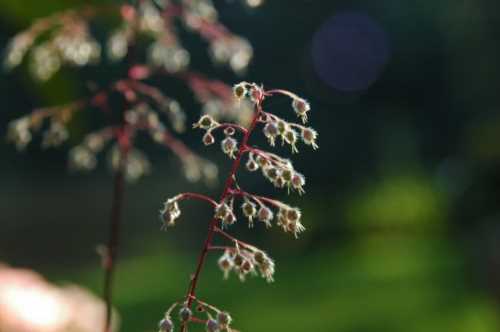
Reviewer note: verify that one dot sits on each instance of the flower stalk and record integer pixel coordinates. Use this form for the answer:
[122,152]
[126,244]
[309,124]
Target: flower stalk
[240,257]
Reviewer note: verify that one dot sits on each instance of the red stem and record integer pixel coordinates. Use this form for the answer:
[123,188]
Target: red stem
[114,234]
[212,228]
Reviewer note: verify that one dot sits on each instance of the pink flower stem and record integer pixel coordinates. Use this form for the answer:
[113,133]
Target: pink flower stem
[199,197]
[212,228]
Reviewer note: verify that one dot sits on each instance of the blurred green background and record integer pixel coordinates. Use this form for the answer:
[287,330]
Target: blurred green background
[402,202]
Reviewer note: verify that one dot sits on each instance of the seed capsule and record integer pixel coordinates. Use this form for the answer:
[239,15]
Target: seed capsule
[222,210]
[293,215]
[166,325]
[208,139]
[251,165]
[229,146]
[185,314]
[265,215]
[301,108]
[249,209]
[309,136]
[205,122]
[239,90]
[224,318]
[212,325]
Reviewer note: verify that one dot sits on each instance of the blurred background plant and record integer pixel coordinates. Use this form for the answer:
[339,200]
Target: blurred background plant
[129,103]
[401,203]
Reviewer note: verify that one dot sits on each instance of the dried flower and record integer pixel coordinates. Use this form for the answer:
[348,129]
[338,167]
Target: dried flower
[206,122]
[170,212]
[309,136]
[224,319]
[240,90]
[298,181]
[212,325]
[166,325]
[271,132]
[229,146]
[291,138]
[252,165]
[265,215]
[208,138]
[226,263]
[185,314]
[301,108]
[249,210]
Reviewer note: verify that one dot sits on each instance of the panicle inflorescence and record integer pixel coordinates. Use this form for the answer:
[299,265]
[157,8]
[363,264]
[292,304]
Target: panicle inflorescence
[142,116]
[242,258]
[65,38]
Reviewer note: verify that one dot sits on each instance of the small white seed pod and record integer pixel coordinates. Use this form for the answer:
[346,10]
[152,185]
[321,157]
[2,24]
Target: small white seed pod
[208,138]
[309,136]
[185,314]
[224,319]
[206,122]
[166,325]
[240,90]
[301,108]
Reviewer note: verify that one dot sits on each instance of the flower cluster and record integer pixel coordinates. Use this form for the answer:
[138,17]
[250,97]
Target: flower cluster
[246,261]
[217,320]
[242,258]
[70,41]
[140,117]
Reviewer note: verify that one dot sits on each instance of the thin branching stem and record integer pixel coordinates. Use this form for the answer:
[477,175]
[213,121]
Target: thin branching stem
[212,229]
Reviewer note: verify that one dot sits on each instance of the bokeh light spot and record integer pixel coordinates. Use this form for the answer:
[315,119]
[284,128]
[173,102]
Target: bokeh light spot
[349,51]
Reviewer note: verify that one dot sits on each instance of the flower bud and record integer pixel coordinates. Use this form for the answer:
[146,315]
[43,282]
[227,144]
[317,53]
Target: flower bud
[240,90]
[279,182]
[212,325]
[224,319]
[287,175]
[282,127]
[259,257]
[166,325]
[205,122]
[309,137]
[252,165]
[265,215]
[185,314]
[271,132]
[229,146]
[272,173]
[229,219]
[298,182]
[256,94]
[222,210]
[263,162]
[249,209]
[293,214]
[247,266]
[291,137]
[208,138]
[229,131]
[301,108]
[238,260]
[225,264]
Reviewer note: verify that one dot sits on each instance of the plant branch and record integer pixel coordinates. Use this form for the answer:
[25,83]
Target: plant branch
[191,293]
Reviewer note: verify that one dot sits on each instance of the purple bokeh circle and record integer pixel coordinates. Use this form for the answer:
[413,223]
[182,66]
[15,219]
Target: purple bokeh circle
[349,51]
